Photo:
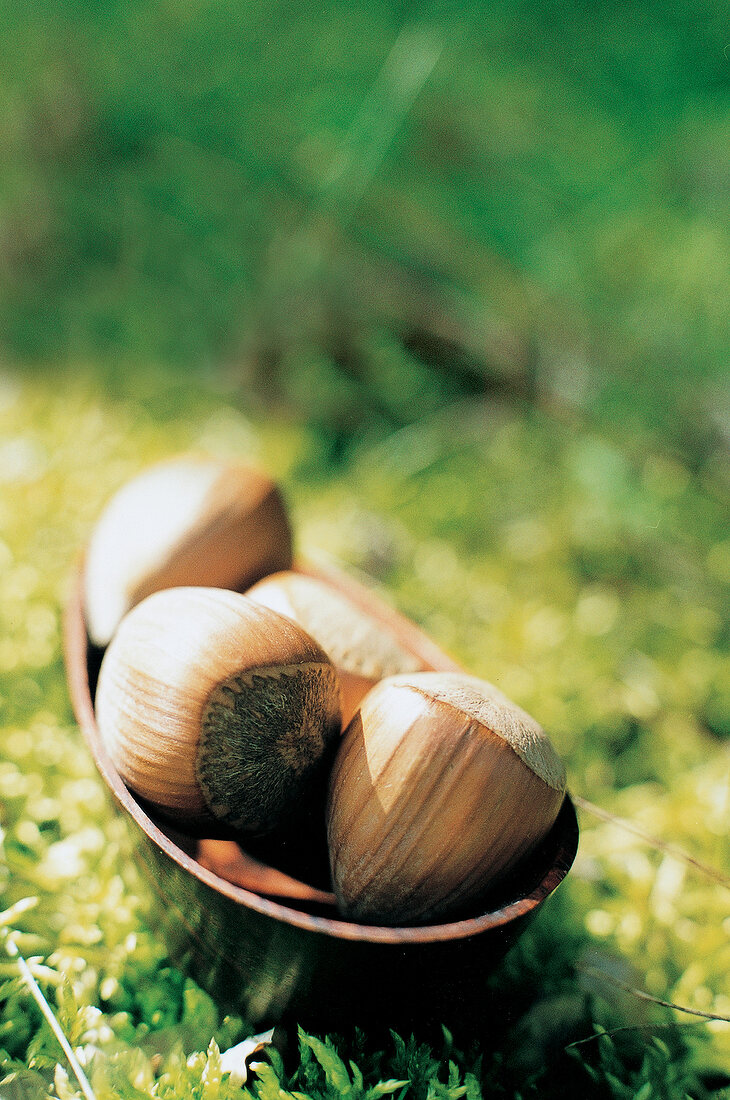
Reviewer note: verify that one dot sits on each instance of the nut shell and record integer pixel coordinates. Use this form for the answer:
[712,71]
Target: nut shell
[362,649]
[440,786]
[186,521]
[215,709]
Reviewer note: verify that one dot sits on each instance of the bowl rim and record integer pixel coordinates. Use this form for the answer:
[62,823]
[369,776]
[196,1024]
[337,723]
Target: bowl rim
[76,648]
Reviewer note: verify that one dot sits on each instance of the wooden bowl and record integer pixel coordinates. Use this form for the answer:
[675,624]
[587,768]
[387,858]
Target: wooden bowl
[278,950]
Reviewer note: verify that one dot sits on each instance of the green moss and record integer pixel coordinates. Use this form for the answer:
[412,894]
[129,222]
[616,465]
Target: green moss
[585,581]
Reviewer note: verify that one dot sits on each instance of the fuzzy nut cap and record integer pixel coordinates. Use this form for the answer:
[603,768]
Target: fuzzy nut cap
[188,520]
[441,784]
[362,649]
[213,708]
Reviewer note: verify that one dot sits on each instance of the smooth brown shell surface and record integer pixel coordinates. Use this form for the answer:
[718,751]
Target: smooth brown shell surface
[428,807]
[186,521]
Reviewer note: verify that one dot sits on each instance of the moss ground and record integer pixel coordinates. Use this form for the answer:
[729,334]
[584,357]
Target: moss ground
[587,582]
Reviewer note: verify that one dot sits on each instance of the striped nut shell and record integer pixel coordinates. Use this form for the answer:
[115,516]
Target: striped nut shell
[441,784]
[214,709]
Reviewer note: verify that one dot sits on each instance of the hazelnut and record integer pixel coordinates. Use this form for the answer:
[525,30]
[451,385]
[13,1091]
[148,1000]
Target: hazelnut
[440,785]
[362,649]
[215,709]
[186,521]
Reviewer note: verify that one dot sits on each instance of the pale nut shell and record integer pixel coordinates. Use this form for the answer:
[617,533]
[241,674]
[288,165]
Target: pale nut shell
[186,521]
[215,709]
[362,649]
[439,787]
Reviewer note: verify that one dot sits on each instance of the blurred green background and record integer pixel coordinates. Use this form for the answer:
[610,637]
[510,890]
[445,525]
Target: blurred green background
[458,276]
[399,201]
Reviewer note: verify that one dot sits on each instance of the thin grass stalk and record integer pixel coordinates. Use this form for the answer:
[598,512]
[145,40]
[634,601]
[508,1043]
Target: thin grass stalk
[48,1014]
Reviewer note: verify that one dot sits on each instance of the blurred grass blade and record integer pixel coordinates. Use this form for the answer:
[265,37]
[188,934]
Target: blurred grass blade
[406,69]
[9,916]
[655,841]
[602,976]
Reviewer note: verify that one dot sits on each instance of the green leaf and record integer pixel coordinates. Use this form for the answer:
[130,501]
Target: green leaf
[335,1070]
[662,1047]
[358,1083]
[213,1073]
[473,1087]
[384,1088]
[24,1084]
[199,1009]
[267,1085]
